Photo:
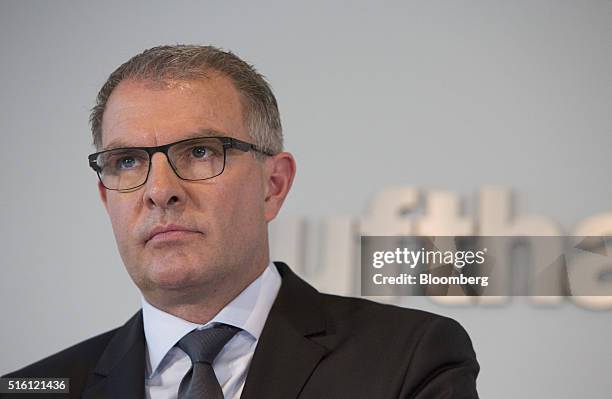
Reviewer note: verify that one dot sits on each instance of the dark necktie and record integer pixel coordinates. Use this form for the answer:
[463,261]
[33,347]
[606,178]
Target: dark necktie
[203,346]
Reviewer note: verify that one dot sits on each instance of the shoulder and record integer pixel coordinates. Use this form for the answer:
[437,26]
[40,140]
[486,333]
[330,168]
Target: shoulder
[362,313]
[71,362]
[364,322]
[418,336]
[422,352]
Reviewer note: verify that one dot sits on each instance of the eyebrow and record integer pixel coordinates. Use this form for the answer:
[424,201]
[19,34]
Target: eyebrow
[121,143]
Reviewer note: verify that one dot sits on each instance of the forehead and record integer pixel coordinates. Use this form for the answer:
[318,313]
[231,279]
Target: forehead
[145,113]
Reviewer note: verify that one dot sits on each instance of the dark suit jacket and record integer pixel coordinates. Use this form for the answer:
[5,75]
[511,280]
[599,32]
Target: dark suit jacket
[313,345]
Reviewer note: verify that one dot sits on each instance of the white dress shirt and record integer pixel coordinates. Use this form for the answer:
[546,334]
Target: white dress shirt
[166,364]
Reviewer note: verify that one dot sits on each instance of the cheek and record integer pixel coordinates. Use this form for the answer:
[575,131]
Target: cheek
[242,206]
[122,212]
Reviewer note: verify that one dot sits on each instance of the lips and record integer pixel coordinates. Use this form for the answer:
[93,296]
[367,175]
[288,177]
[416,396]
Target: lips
[168,231]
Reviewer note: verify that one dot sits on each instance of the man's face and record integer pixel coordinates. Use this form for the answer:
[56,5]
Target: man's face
[225,217]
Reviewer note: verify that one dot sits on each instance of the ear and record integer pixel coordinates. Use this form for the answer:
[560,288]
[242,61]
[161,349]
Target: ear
[279,174]
[102,192]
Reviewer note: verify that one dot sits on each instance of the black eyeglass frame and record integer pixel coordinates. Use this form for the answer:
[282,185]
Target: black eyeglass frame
[228,142]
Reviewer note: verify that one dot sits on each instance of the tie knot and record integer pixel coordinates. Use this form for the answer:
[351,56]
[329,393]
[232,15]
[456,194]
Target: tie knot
[205,345]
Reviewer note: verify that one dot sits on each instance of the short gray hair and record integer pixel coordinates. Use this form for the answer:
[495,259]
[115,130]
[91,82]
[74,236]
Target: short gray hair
[189,62]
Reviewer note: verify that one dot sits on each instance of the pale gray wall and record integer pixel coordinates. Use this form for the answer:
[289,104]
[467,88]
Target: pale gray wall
[442,95]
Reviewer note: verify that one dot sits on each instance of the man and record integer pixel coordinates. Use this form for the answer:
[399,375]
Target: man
[191,171]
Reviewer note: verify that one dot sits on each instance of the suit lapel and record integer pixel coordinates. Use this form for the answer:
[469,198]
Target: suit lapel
[120,370]
[289,347]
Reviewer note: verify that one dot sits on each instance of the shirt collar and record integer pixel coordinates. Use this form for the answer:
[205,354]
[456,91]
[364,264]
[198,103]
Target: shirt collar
[247,311]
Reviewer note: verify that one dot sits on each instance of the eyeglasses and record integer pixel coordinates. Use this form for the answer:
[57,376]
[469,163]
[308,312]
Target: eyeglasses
[201,158]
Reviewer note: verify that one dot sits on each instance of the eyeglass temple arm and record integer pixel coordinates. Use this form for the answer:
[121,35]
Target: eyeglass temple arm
[244,146]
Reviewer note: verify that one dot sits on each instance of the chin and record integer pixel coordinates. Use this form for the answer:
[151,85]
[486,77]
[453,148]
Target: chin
[178,277]
[171,279]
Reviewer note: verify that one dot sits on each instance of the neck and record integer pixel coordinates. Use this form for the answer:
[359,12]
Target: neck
[201,304]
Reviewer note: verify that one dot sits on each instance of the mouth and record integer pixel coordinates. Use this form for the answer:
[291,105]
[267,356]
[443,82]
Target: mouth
[169,232]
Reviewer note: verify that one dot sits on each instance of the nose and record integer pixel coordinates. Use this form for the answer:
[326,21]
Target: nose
[163,188]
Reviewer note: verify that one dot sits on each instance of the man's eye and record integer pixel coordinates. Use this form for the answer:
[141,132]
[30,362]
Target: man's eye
[201,152]
[126,163]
